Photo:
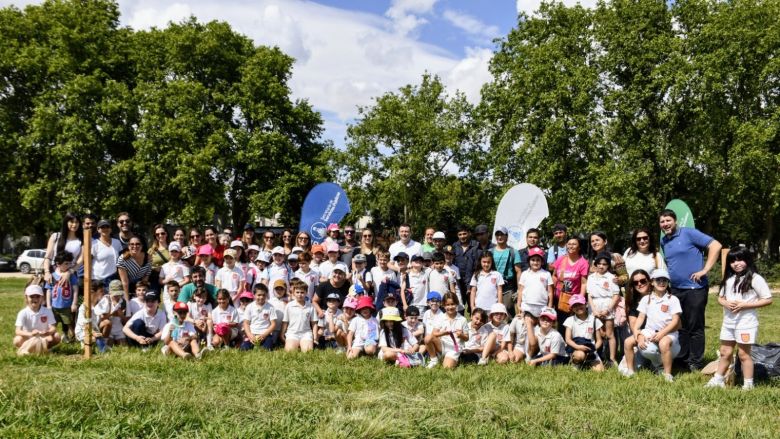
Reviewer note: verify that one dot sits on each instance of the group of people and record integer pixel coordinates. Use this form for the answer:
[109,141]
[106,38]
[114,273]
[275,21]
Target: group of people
[406,304]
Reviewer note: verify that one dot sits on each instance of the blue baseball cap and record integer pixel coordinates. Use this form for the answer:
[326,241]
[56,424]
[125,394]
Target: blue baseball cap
[434,295]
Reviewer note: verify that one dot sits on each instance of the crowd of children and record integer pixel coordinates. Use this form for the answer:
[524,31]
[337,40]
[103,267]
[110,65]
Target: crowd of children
[407,313]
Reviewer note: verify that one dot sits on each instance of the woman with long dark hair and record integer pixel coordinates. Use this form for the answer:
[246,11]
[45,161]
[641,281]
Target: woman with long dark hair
[69,239]
[643,253]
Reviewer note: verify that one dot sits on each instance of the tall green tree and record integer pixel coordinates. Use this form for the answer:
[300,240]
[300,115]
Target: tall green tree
[404,156]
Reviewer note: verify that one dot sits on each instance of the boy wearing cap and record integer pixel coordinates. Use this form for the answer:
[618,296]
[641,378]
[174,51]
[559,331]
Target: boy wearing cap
[35,324]
[552,347]
[175,269]
[278,269]
[317,255]
[179,335]
[361,276]
[504,258]
[230,276]
[326,267]
[99,318]
[415,326]
[145,327]
[279,301]
[658,340]
[259,323]
[117,312]
[326,326]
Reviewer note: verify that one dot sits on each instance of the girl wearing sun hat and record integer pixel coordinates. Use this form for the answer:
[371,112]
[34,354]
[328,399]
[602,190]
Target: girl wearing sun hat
[395,341]
[363,330]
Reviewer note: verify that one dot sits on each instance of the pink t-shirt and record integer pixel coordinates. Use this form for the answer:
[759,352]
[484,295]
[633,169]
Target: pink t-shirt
[570,274]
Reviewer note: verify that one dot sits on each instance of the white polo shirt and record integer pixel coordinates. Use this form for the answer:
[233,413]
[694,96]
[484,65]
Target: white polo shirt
[29,320]
[583,328]
[747,318]
[260,317]
[659,311]
[550,343]
[413,248]
[535,287]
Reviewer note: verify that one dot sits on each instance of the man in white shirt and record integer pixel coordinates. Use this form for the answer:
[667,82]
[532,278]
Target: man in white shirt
[405,244]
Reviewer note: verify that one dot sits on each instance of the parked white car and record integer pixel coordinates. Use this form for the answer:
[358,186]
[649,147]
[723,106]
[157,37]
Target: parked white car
[31,261]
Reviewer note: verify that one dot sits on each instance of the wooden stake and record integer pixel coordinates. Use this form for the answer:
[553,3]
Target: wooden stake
[87,252]
[723,254]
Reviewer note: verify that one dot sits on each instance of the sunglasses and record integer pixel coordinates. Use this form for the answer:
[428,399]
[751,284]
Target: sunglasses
[368,236]
[349,231]
[640,282]
[661,280]
[303,238]
[194,236]
[642,238]
[134,244]
[161,234]
[124,221]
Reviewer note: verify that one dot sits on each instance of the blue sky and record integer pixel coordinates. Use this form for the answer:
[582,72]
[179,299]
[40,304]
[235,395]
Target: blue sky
[351,51]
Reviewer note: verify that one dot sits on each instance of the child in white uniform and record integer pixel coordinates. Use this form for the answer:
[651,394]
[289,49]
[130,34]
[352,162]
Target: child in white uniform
[658,341]
[175,269]
[200,315]
[35,326]
[534,293]
[449,334]
[415,326]
[363,330]
[299,323]
[552,349]
[116,294]
[260,321]
[396,343]
[495,334]
[99,319]
[603,297]
[472,349]
[433,312]
[179,335]
[486,285]
[741,293]
[583,338]
[226,320]
[230,277]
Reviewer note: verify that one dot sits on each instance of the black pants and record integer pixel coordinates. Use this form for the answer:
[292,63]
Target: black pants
[693,303]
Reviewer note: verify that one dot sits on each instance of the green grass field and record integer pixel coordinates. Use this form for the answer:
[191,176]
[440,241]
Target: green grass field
[257,394]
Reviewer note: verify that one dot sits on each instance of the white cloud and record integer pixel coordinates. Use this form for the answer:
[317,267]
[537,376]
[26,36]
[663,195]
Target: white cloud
[470,24]
[405,14]
[343,58]
[531,6]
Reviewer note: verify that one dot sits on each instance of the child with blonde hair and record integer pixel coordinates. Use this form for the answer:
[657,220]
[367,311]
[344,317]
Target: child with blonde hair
[299,323]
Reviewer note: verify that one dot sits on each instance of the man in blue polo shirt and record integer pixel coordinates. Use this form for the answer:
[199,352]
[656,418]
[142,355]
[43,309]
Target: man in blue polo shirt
[683,249]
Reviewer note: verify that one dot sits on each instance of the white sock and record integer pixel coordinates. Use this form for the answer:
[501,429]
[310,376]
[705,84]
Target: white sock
[208,339]
[717,378]
[747,381]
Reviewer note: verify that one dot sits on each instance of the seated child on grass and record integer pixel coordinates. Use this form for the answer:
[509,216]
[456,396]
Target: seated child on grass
[35,325]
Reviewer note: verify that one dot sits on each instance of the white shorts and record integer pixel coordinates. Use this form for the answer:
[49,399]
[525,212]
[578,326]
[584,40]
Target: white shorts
[741,336]
[534,310]
[653,353]
[299,336]
[602,304]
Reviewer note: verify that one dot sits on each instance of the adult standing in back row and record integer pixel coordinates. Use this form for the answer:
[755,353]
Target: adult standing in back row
[465,260]
[683,248]
[405,243]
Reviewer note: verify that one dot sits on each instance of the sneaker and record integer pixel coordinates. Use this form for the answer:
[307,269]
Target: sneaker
[341,350]
[609,364]
[209,348]
[628,373]
[433,363]
[187,356]
[747,387]
[199,355]
[713,382]
[483,362]
[165,350]
[669,378]
[145,349]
